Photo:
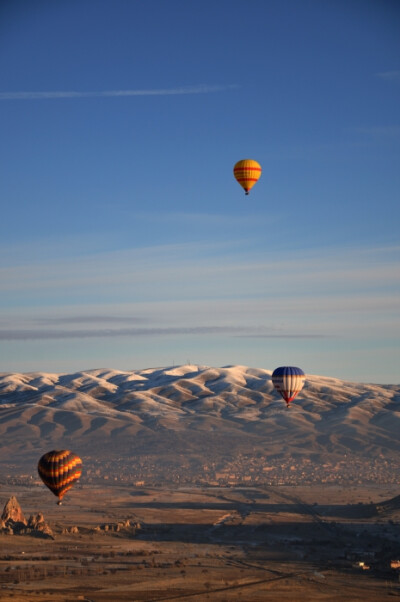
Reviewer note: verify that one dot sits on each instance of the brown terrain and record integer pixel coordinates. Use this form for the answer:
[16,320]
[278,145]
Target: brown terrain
[198,484]
[124,543]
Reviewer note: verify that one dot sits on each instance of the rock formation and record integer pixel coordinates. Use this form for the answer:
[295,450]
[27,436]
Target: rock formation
[13,521]
[126,525]
[12,511]
[12,517]
[70,531]
[38,526]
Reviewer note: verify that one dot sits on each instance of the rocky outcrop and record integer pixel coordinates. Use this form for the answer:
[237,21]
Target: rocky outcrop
[12,513]
[126,525]
[38,526]
[70,531]
[12,517]
[13,522]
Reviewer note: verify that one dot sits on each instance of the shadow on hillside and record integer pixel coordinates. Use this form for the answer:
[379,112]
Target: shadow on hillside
[356,511]
[239,534]
[297,540]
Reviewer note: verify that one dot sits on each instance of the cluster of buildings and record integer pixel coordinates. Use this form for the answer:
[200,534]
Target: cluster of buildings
[240,470]
[243,470]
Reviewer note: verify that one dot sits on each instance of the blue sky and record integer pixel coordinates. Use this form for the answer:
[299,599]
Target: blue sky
[127,243]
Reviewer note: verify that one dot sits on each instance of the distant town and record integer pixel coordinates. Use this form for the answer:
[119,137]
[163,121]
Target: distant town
[244,469]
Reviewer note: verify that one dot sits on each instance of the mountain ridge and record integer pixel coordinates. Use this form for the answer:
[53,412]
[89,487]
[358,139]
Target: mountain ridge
[195,410]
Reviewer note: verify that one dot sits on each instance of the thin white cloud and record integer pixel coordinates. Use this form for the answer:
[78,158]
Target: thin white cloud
[380,131]
[92,319]
[190,290]
[390,75]
[192,271]
[35,335]
[198,89]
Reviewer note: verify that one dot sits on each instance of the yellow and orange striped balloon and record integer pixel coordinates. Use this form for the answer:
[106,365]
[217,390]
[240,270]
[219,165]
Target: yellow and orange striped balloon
[59,469]
[247,172]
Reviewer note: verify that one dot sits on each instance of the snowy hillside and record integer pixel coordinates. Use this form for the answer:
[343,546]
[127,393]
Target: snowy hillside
[195,410]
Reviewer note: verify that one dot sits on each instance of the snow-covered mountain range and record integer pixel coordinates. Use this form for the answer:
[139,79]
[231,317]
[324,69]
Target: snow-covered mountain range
[193,410]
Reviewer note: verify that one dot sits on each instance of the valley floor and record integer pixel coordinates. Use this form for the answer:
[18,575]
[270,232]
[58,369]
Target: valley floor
[284,543]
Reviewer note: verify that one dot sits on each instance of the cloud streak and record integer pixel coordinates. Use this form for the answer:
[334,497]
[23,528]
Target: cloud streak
[198,89]
[194,271]
[40,335]
[191,291]
[383,131]
[390,75]
[90,320]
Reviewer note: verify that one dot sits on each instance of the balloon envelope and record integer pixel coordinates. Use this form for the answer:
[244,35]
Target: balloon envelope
[247,172]
[288,381]
[59,469]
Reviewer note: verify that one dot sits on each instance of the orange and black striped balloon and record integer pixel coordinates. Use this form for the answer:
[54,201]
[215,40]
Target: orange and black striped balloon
[247,172]
[59,469]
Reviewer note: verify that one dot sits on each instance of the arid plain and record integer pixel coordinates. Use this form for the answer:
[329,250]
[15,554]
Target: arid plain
[198,484]
[218,543]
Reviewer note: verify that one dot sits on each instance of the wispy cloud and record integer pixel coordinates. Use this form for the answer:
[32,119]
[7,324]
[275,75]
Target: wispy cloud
[191,291]
[35,335]
[380,131]
[91,320]
[283,336]
[390,75]
[51,95]
[195,271]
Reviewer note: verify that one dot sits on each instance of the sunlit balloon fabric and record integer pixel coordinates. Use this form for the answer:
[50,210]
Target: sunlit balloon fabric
[247,172]
[59,469]
[289,381]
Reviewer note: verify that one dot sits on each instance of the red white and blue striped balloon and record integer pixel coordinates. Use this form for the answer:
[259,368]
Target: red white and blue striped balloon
[288,381]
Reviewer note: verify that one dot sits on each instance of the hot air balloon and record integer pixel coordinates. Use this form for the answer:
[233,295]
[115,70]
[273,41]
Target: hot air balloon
[288,381]
[247,172]
[59,469]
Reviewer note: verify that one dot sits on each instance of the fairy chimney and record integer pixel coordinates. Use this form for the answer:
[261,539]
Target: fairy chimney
[38,526]
[12,513]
